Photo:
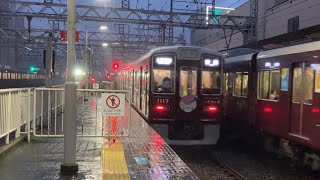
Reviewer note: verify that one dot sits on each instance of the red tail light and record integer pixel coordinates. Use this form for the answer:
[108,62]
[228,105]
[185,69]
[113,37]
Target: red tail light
[160,108]
[315,110]
[267,109]
[212,109]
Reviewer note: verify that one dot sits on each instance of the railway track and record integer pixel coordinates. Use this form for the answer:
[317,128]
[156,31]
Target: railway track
[228,168]
[207,165]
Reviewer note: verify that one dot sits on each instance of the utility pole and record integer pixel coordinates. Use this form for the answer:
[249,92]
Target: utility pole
[69,123]
[48,59]
[171,24]
[86,60]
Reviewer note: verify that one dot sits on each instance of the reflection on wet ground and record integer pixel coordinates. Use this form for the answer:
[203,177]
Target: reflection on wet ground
[141,155]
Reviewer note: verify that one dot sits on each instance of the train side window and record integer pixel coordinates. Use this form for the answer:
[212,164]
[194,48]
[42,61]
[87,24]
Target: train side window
[188,81]
[308,85]
[245,79]
[296,87]
[226,76]
[237,84]
[269,84]
[240,84]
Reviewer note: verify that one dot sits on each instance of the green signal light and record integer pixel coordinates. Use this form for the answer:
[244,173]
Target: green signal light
[217,12]
[32,69]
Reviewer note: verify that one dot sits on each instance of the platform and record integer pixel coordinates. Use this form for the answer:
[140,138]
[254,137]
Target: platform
[141,155]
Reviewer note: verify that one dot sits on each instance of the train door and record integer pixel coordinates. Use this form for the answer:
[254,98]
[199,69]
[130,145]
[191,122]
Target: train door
[188,87]
[301,100]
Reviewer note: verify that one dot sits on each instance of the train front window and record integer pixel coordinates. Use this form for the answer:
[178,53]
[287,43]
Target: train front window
[211,82]
[163,76]
[188,81]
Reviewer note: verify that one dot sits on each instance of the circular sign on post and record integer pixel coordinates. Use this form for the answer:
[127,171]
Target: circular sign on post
[113,104]
[113,101]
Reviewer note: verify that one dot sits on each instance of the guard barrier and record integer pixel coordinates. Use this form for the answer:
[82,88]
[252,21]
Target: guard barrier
[21,111]
[14,111]
[90,119]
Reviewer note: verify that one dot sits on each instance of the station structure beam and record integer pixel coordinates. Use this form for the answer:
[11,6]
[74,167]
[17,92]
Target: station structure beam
[128,16]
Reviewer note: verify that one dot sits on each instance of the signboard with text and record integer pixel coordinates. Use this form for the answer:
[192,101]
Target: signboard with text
[64,35]
[113,104]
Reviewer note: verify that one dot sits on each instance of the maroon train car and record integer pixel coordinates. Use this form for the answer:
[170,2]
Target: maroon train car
[283,98]
[178,90]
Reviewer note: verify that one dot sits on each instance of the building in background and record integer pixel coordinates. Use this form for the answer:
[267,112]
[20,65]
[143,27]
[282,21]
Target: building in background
[14,52]
[279,22]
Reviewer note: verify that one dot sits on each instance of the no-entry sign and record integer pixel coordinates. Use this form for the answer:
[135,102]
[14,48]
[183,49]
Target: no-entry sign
[112,104]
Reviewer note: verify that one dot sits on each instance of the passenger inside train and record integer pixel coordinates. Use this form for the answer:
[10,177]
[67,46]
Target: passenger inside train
[274,95]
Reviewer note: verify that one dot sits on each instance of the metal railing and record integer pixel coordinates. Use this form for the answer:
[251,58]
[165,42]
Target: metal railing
[17,107]
[39,111]
[90,121]
[14,112]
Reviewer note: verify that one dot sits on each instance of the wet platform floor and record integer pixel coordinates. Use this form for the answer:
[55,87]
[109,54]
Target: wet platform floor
[141,155]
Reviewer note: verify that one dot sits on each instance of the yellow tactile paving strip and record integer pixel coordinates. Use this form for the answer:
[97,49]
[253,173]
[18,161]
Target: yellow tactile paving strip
[114,164]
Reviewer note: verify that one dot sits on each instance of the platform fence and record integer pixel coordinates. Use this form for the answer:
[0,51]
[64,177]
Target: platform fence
[90,120]
[17,107]
[14,111]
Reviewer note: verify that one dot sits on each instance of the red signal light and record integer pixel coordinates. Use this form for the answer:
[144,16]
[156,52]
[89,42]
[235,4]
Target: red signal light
[212,109]
[160,108]
[267,110]
[93,79]
[115,66]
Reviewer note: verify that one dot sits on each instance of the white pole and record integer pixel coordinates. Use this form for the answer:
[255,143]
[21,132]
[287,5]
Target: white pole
[86,60]
[69,123]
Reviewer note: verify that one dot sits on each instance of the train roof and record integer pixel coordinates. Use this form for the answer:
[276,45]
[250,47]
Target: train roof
[241,58]
[306,47]
[177,49]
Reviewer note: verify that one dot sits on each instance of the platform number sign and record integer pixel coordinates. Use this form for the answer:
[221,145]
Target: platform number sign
[112,104]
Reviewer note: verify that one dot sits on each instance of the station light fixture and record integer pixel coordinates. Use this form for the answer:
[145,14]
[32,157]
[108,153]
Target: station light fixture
[105,44]
[78,72]
[103,27]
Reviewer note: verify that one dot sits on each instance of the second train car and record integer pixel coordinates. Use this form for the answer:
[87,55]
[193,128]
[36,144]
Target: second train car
[178,91]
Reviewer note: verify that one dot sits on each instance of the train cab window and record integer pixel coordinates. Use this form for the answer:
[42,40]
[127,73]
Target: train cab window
[211,81]
[163,76]
[240,84]
[269,84]
[188,81]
